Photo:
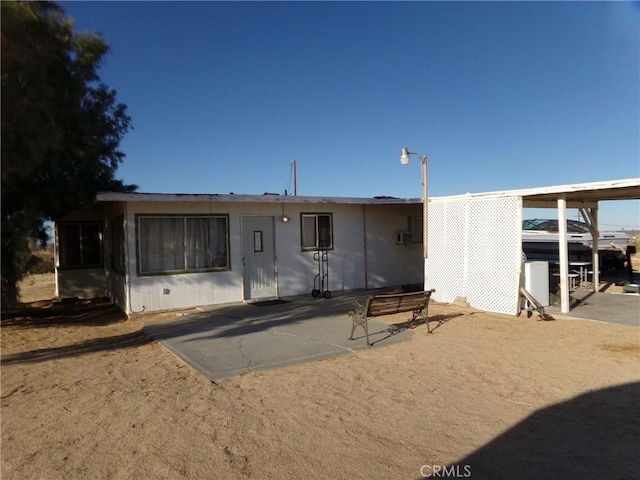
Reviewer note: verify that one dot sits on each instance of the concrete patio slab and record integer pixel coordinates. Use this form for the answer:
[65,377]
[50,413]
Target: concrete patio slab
[606,307]
[230,340]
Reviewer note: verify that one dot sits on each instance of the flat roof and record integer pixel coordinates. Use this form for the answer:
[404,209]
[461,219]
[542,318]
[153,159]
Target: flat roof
[241,198]
[578,195]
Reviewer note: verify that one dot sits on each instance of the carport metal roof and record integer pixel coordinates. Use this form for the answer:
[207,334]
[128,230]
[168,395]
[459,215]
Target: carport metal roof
[584,195]
[579,195]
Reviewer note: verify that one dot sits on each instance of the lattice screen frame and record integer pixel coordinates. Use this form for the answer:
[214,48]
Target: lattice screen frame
[475,251]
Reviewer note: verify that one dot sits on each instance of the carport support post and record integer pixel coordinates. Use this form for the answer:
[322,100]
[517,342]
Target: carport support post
[564,254]
[595,262]
[591,219]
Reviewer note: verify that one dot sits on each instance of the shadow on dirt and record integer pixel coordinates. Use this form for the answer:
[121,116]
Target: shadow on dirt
[69,313]
[396,328]
[102,344]
[594,435]
[64,313]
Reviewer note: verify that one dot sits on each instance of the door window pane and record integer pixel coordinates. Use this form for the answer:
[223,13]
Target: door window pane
[257,241]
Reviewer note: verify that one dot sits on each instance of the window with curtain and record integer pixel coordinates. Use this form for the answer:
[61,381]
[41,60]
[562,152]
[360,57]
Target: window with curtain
[317,231]
[177,244]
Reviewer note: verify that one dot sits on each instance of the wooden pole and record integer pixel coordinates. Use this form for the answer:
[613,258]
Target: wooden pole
[425,209]
[295,180]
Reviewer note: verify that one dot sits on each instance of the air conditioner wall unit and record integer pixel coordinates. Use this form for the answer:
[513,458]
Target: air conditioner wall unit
[404,237]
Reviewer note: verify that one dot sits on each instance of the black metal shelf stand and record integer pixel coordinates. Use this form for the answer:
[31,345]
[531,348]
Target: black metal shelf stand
[321,280]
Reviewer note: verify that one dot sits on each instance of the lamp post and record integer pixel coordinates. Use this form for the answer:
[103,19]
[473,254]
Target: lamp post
[405,158]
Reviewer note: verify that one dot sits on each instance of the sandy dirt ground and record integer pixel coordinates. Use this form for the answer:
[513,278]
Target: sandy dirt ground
[85,394]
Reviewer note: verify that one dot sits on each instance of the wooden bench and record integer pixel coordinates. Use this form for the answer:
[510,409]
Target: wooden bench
[378,305]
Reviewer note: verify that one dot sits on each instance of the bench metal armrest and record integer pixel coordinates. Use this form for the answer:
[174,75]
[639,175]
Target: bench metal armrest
[359,316]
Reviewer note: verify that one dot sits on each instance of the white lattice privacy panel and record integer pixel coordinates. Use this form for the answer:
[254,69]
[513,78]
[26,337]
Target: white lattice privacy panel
[475,252]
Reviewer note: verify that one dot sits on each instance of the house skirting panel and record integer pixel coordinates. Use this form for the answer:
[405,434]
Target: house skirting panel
[82,282]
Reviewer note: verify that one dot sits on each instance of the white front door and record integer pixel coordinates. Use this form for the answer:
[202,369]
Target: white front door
[258,246]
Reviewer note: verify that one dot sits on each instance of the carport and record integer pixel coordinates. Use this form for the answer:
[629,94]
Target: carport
[475,240]
[585,198]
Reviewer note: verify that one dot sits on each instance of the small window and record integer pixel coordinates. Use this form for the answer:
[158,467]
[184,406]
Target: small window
[412,233]
[317,231]
[117,245]
[177,244]
[416,228]
[80,245]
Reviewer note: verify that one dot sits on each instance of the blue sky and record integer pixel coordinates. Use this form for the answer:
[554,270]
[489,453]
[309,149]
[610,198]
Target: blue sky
[499,95]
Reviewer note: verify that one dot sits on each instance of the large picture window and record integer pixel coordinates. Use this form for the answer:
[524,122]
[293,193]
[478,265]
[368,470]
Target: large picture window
[79,245]
[180,244]
[317,231]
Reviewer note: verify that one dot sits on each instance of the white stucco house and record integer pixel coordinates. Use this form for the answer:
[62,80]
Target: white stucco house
[153,252]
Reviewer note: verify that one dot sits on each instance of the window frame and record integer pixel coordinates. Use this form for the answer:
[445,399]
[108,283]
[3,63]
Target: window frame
[80,224]
[416,228]
[184,217]
[317,239]
[118,261]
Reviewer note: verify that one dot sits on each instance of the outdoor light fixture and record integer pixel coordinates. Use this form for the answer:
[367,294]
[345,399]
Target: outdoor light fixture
[405,157]
[284,219]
